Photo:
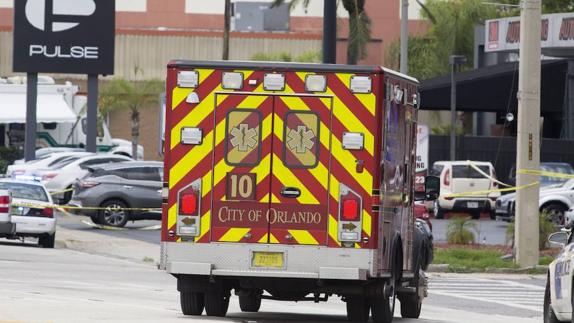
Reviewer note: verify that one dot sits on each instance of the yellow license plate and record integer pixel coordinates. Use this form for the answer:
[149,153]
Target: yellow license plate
[268,259]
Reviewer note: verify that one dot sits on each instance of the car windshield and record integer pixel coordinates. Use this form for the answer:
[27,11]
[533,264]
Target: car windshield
[558,168]
[25,191]
[466,171]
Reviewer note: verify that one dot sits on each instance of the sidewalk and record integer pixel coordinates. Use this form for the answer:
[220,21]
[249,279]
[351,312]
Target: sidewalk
[94,243]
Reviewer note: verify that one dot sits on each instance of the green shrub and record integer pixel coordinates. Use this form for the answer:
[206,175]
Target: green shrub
[307,57]
[545,228]
[8,156]
[460,230]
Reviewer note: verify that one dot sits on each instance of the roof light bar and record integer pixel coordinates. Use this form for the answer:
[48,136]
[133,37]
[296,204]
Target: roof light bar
[232,81]
[274,82]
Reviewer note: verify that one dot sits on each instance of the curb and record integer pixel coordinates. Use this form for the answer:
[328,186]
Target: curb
[446,268]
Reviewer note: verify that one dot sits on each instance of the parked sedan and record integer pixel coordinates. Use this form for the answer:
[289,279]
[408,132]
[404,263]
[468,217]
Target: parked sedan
[41,163]
[31,211]
[114,194]
[60,178]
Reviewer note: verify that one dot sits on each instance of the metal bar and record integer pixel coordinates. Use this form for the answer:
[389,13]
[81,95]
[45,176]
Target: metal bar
[31,120]
[453,113]
[92,114]
[330,32]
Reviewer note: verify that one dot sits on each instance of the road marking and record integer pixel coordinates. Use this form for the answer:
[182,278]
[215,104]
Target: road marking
[501,292]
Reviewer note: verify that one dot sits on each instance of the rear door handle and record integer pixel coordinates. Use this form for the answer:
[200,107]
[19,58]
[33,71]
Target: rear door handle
[290,192]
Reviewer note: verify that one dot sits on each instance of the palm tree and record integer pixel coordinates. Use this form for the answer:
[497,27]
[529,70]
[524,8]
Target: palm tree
[359,27]
[124,94]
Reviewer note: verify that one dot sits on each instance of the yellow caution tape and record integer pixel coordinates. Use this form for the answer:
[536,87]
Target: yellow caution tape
[69,207]
[61,192]
[487,175]
[508,189]
[544,173]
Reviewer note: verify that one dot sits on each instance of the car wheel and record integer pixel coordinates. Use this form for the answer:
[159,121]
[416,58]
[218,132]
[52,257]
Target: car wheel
[114,213]
[492,215]
[47,240]
[549,316]
[95,219]
[383,309]
[438,212]
[192,303]
[475,215]
[250,301]
[555,213]
[216,301]
[357,309]
[67,196]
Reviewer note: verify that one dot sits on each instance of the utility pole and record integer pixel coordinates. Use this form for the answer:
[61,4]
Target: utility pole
[226,29]
[405,37]
[528,138]
[330,31]
[454,61]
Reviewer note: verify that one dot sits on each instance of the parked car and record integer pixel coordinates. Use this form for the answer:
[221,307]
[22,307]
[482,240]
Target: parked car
[506,204]
[115,187]
[42,153]
[558,293]
[60,178]
[45,162]
[31,211]
[7,227]
[555,200]
[462,177]
[421,212]
[553,167]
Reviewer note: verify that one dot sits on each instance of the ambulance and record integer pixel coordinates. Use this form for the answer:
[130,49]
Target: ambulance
[292,182]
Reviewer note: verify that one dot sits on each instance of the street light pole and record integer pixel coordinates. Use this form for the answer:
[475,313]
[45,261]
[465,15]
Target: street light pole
[454,60]
[405,37]
[528,135]
[330,32]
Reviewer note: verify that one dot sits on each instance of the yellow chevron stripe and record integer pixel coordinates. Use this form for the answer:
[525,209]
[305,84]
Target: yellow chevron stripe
[264,238]
[303,237]
[347,160]
[333,229]
[234,234]
[180,94]
[205,224]
[172,216]
[272,238]
[197,153]
[274,199]
[369,100]
[367,222]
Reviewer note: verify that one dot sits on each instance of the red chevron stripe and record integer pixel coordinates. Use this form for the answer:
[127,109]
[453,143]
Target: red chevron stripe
[203,90]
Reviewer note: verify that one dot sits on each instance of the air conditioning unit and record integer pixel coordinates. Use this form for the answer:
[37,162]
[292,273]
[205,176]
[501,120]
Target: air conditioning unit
[259,17]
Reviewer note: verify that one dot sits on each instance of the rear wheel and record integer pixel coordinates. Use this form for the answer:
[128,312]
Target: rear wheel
[492,215]
[250,301]
[438,212]
[95,219]
[192,303]
[47,240]
[216,301]
[555,213]
[113,213]
[357,309]
[549,316]
[383,309]
[475,215]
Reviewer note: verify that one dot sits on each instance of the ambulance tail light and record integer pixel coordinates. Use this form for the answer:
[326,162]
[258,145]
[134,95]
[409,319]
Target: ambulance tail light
[350,215]
[189,210]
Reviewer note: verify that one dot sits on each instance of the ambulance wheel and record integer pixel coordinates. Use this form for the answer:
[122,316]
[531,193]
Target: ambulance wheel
[383,309]
[216,301]
[357,309]
[250,301]
[114,213]
[411,305]
[192,303]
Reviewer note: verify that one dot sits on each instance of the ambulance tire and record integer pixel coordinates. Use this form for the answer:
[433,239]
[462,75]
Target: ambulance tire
[216,301]
[383,309]
[411,305]
[250,301]
[357,309]
[192,303]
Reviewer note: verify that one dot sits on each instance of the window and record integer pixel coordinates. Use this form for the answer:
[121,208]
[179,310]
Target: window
[466,171]
[436,170]
[25,191]
[243,137]
[301,139]
[142,174]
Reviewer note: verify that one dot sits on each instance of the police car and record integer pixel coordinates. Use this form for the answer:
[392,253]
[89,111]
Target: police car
[31,210]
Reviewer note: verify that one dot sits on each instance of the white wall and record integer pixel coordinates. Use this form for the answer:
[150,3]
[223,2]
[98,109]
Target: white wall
[315,8]
[6,3]
[121,5]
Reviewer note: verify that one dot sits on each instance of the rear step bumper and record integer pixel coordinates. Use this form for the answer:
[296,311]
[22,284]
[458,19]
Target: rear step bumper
[235,260]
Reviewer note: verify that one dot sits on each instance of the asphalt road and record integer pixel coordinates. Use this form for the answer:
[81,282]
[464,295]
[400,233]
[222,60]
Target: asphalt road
[62,285]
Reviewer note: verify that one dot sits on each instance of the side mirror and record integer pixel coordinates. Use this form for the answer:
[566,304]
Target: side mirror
[558,239]
[432,188]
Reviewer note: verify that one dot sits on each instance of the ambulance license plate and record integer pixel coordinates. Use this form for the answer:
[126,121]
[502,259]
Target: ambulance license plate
[262,259]
[472,205]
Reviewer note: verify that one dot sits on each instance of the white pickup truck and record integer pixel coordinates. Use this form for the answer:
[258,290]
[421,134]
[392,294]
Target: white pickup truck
[7,227]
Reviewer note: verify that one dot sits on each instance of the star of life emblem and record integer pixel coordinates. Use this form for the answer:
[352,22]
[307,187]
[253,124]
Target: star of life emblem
[300,140]
[243,137]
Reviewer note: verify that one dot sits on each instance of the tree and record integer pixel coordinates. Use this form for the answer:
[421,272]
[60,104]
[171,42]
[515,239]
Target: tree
[124,94]
[359,26]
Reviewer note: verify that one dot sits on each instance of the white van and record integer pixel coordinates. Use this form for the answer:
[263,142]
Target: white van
[470,183]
